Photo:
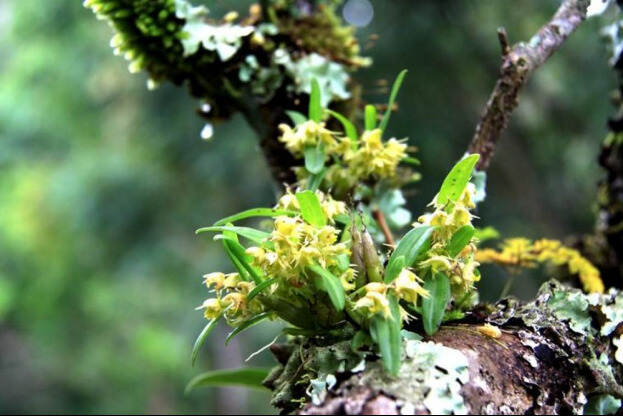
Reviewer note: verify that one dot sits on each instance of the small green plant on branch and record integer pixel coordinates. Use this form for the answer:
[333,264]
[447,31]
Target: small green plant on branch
[325,260]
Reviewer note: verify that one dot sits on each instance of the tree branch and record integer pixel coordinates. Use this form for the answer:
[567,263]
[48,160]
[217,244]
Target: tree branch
[518,63]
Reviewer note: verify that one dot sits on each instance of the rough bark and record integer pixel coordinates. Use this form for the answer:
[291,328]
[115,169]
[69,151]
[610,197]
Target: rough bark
[518,64]
[546,361]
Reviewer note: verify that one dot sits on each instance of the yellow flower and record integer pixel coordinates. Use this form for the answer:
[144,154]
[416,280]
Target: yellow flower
[407,286]
[375,158]
[245,287]
[437,263]
[234,302]
[231,280]
[376,287]
[258,254]
[212,308]
[467,197]
[348,280]
[374,302]
[522,252]
[216,279]
[306,134]
[461,216]
[490,331]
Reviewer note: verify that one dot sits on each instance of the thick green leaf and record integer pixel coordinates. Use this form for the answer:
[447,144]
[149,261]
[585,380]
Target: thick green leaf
[243,377]
[410,247]
[315,100]
[434,307]
[259,288]
[311,210]
[255,212]
[385,332]
[246,325]
[349,128]
[395,267]
[370,117]
[460,239]
[314,158]
[327,282]
[246,232]
[296,117]
[202,337]
[456,181]
[392,99]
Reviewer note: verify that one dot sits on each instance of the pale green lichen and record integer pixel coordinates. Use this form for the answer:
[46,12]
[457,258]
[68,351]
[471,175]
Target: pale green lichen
[603,404]
[431,376]
[571,307]
[613,311]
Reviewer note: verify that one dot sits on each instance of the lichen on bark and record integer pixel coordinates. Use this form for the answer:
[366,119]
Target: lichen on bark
[555,355]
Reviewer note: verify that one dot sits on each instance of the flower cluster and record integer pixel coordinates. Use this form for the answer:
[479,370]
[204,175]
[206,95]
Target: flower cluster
[448,220]
[374,157]
[294,245]
[367,158]
[407,287]
[286,264]
[312,134]
[231,298]
[521,252]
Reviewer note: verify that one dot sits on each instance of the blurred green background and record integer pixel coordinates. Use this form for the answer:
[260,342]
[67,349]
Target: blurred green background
[102,184]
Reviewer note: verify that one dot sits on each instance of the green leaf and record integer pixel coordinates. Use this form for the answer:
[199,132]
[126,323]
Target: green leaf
[255,212]
[259,288]
[395,267]
[603,404]
[311,210]
[370,117]
[360,339]
[434,307]
[246,325]
[243,377]
[242,259]
[349,128]
[314,158]
[316,180]
[343,262]
[244,274]
[296,117]
[411,161]
[392,99]
[327,282]
[487,233]
[315,102]
[460,239]
[246,232]
[411,246]
[202,337]
[385,332]
[456,181]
